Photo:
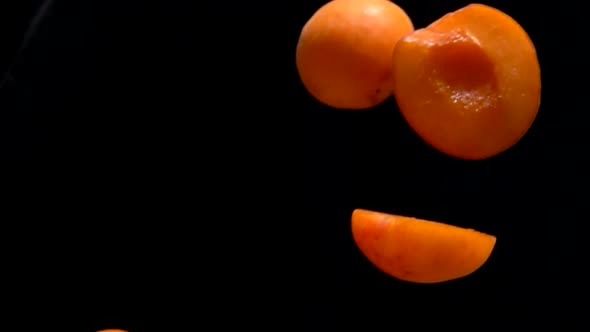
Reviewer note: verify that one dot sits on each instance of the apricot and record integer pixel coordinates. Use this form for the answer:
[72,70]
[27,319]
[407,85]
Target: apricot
[344,52]
[469,84]
[112,330]
[419,251]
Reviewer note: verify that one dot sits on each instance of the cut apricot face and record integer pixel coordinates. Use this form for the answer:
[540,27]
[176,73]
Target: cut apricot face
[469,84]
[344,52]
[417,250]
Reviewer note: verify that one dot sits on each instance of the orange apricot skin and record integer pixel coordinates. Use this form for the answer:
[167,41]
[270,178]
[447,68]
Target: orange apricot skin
[112,330]
[419,251]
[344,52]
[469,84]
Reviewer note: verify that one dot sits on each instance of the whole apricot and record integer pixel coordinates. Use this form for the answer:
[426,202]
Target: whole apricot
[469,84]
[344,52]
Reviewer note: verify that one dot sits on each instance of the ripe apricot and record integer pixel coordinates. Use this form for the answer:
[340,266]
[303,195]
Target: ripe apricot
[469,84]
[344,52]
[418,250]
[112,330]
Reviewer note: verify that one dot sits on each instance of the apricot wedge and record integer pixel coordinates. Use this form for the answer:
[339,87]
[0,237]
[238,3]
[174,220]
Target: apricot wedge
[469,84]
[419,251]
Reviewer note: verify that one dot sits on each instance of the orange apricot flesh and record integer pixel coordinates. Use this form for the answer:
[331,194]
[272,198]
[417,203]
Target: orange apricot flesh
[469,84]
[344,52]
[417,250]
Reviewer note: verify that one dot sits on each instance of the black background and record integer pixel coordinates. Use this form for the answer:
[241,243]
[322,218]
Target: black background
[118,116]
[100,127]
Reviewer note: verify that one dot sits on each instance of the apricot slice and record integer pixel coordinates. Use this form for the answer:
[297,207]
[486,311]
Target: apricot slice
[419,251]
[344,52]
[469,84]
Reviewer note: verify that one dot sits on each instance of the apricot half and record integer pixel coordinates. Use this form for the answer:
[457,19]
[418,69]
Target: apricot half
[418,250]
[469,84]
[344,52]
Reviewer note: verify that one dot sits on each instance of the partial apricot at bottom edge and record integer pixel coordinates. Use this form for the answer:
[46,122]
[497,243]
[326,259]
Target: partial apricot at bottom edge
[417,250]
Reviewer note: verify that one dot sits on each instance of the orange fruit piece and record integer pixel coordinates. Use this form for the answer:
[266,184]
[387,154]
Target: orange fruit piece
[112,330]
[419,251]
[344,52]
[469,84]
